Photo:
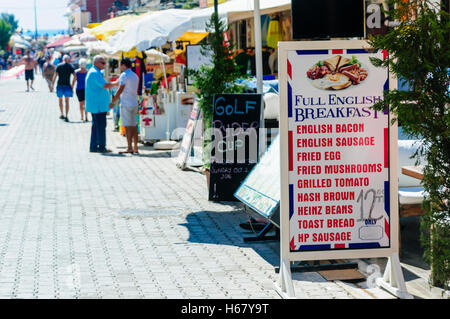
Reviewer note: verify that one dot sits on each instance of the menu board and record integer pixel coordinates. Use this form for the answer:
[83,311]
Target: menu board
[261,189]
[235,142]
[338,150]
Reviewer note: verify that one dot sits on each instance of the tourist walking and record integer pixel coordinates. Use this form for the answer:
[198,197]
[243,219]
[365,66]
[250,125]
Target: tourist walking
[80,80]
[48,71]
[97,102]
[30,64]
[127,92]
[41,61]
[63,88]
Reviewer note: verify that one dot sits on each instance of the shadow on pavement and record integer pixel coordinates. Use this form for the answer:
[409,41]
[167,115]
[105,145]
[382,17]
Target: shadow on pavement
[154,155]
[112,154]
[411,249]
[222,228]
[78,122]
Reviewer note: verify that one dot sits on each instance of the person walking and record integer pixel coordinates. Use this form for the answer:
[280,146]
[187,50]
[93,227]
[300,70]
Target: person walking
[41,61]
[9,62]
[63,88]
[48,71]
[97,102]
[128,86]
[30,64]
[80,80]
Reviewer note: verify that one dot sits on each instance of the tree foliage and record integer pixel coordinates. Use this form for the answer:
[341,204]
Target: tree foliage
[11,20]
[217,79]
[419,54]
[5,34]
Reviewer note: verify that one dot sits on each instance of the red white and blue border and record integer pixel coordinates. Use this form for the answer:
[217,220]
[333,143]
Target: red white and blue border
[335,250]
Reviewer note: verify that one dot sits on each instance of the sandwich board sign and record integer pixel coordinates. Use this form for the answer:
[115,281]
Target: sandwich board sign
[338,159]
[261,188]
[188,138]
[235,129]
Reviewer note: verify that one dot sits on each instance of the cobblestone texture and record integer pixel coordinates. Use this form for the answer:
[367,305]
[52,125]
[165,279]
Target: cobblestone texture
[62,233]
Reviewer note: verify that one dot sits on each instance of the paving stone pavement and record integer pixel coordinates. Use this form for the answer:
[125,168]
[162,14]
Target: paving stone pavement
[75,224]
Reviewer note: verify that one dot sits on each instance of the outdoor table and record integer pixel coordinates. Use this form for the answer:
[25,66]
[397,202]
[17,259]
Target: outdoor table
[413,171]
[407,210]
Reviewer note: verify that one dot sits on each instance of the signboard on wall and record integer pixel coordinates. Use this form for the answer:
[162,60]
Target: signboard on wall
[338,191]
[235,150]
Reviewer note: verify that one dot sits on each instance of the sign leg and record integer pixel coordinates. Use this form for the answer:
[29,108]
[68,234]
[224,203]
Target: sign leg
[393,280]
[285,286]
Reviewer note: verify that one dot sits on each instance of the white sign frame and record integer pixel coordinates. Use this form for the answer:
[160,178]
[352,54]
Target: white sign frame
[395,276]
[183,157]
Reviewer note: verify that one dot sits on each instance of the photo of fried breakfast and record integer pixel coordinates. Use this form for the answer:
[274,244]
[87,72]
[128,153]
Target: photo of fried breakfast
[337,73]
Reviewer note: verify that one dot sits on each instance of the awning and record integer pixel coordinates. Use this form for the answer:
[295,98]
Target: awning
[108,28]
[18,41]
[75,48]
[59,43]
[190,38]
[93,25]
[154,30]
[193,37]
[234,10]
[73,42]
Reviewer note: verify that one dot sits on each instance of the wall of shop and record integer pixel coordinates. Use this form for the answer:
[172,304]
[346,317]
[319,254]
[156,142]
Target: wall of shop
[103,6]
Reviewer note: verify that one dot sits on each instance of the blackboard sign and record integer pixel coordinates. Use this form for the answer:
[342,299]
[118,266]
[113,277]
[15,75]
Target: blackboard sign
[235,142]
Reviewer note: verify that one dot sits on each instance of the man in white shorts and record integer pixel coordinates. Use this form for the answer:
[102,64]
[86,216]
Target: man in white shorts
[128,86]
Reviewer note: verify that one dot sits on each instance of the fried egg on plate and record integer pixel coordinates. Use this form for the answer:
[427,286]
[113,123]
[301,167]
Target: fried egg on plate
[336,81]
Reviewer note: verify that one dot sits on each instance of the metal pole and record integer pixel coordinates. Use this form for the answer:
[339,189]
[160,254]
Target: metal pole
[35,21]
[98,11]
[216,7]
[166,101]
[258,46]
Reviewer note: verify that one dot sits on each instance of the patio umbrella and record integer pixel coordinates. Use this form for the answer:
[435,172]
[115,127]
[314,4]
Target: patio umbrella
[108,28]
[156,57]
[18,40]
[73,42]
[154,30]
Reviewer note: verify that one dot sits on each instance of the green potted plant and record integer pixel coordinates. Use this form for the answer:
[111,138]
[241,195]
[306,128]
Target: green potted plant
[419,55]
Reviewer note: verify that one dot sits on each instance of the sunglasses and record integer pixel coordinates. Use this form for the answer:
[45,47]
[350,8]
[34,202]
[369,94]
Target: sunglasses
[103,62]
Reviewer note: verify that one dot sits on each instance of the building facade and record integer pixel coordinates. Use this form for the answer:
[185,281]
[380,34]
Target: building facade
[83,12]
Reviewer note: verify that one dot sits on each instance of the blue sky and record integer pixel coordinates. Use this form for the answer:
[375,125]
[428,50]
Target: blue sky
[50,13]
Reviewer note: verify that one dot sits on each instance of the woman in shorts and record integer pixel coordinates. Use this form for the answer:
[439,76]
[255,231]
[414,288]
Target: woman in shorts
[48,71]
[80,80]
